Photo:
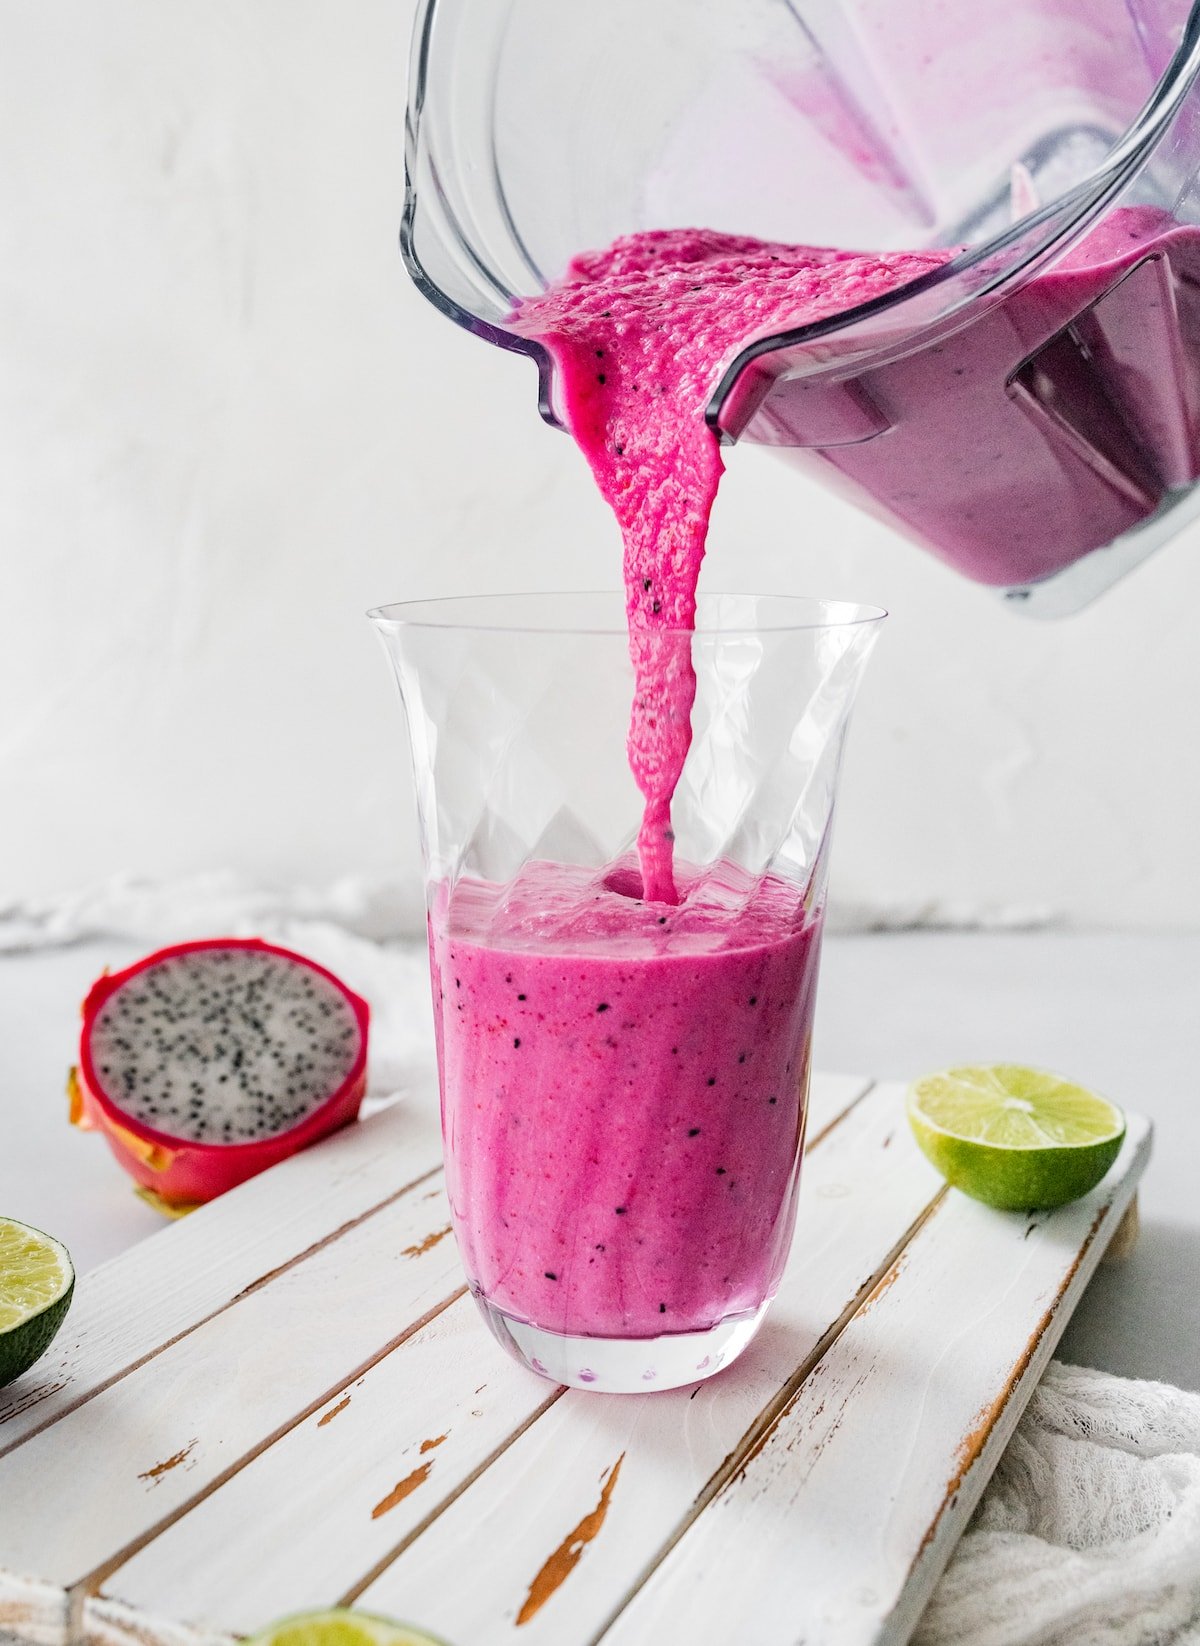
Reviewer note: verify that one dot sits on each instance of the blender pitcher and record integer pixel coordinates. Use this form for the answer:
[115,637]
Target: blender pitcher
[1029,411]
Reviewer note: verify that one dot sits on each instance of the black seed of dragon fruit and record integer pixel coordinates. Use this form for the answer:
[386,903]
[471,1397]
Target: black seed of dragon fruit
[173,1035]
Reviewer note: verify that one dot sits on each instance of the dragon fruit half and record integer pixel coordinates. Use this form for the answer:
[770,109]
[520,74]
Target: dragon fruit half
[208,1062]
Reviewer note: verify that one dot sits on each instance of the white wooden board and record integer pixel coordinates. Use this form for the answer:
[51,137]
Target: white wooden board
[287,1401]
[223,1250]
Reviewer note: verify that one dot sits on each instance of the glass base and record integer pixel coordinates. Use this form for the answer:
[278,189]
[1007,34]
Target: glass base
[623,1365]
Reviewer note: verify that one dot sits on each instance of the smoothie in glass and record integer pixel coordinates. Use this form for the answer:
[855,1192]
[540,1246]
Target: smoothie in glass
[623,1091]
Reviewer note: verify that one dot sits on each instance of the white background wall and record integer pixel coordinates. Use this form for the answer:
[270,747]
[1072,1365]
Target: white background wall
[228,425]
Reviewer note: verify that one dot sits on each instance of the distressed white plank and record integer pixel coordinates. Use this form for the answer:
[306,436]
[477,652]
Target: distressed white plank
[127,1309]
[113,1469]
[829,1098]
[614,1476]
[836,1530]
[384,1454]
[449,1378]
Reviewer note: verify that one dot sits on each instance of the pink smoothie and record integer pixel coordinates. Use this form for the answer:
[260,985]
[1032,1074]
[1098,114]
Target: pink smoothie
[1057,420]
[624,1088]
[639,333]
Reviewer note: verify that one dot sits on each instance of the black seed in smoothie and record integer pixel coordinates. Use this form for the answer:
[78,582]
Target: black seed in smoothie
[662,1308]
[720,1171]
[621,1210]
[620,450]
[601,379]
[520,997]
[599,1245]
[550,1275]
[603,1006]
[457,983]
[662,919]
[516,1042]
[754,1000]
[693,1131]
[712,1080]
[772,1100]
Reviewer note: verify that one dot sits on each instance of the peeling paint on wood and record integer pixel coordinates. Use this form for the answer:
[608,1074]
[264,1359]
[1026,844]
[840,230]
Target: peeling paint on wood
[885,1282]
[566,1557]
[26,1400]
[402,1489]
[333,1411]
[155,1474]
[426,1245]
[989,1414]
[428,1445]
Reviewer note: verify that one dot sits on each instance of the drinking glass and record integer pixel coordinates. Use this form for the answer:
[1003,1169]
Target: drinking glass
[624,1082]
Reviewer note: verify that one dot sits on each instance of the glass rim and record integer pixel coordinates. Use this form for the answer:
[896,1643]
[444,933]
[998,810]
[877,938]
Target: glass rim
[445,612]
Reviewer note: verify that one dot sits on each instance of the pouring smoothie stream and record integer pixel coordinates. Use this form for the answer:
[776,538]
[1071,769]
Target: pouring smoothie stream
[624,1052]
[639,333]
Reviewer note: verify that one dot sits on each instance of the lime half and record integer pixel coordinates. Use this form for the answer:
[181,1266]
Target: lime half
[341,1628]
[36,1282]
[1014,1137]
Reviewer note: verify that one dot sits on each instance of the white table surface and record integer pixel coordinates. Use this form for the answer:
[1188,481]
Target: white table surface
[1119,1013]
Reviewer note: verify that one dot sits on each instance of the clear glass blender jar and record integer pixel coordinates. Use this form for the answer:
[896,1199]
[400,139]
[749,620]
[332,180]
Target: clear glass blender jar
[1029,412]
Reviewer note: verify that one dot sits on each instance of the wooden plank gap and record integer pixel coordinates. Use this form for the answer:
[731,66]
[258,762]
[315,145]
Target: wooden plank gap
[170,1342]
[759,1432]
[381,1566]
[831,1125]
[325,1240]
[89,1584]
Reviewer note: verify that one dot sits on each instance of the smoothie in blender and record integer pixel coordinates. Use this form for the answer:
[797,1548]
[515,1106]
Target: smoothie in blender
[1074,399]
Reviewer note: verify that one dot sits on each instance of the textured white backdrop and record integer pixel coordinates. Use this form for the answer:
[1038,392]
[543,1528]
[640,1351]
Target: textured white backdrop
[228,424]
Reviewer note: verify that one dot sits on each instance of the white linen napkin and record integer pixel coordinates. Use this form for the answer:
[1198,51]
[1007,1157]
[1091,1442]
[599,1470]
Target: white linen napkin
[1089,1531]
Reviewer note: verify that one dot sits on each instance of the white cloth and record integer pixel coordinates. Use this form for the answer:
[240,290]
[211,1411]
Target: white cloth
[1089,1531]
[206,904]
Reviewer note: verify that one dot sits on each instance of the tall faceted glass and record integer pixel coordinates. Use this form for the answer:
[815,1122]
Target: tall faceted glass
[624,1082]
